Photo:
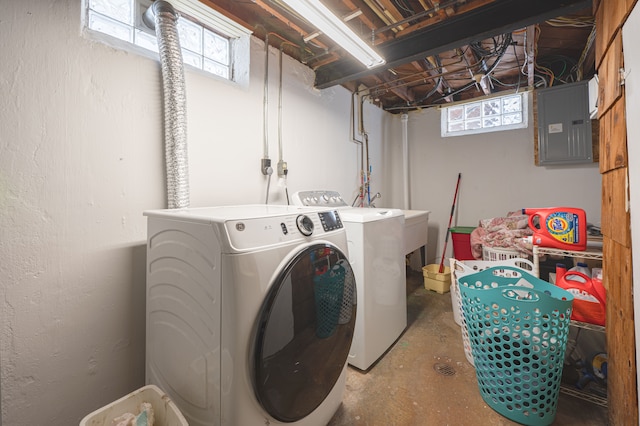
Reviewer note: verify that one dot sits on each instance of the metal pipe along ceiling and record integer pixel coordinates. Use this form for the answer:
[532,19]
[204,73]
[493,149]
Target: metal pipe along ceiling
[163,18]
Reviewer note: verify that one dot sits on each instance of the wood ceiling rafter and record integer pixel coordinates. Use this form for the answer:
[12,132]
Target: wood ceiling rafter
[385,18]
[391,11]
[442,13]
[387,79]
[426,76]
[449,34]
[411,33]
[429,77]
[421,70]
[367,17]
[289,23]
[252,16]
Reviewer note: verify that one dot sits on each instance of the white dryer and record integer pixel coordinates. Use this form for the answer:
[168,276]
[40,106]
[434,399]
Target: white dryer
[250,313]
[377,256]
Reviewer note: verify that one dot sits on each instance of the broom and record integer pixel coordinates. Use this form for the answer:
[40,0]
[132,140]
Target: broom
[446,238]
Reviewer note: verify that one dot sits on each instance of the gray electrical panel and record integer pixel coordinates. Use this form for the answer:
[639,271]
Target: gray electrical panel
[564,126]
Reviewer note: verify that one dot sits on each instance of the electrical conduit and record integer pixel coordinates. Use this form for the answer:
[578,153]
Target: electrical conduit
[359,142]
[283,169]
[266,162]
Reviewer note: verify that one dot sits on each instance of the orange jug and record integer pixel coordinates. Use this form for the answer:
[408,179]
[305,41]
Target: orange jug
[558,227]
[588,304]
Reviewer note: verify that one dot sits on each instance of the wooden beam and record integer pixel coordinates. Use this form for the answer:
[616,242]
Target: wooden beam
[495,18]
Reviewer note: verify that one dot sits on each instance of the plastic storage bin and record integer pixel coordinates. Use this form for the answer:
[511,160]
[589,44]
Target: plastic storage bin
[165,411]
[518,328]
[461,237]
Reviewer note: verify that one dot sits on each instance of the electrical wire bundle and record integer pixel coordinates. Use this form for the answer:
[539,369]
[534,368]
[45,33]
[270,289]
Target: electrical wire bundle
[488,54]
[560,68]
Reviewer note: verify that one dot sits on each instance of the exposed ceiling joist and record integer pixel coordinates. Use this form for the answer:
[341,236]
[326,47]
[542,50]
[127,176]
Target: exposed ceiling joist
[496,18]
[438,51]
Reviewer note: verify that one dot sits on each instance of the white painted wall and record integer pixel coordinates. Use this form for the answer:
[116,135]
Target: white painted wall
[498,176]
[81,157]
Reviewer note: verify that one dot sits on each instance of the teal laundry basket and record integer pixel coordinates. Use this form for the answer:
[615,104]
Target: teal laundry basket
[329,294]
[518,327]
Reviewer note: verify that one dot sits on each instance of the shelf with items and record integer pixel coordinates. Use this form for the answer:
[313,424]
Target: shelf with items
[588,326]
[584,374]
[581,378]
[594,254]
[595,399]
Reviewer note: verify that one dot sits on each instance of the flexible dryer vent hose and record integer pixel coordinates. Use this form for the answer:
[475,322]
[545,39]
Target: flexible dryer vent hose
[163,18]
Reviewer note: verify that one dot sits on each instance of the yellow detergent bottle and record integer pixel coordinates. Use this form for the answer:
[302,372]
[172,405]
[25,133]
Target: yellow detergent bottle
[558,227]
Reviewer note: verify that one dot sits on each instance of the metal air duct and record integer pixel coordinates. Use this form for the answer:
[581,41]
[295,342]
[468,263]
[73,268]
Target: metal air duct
[162,17]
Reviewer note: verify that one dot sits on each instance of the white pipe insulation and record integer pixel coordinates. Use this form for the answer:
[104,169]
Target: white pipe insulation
[405,160]
[162,17]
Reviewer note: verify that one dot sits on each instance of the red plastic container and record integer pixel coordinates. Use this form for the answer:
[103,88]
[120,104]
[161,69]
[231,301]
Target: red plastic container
[588,303]
[461,238]
[559,227]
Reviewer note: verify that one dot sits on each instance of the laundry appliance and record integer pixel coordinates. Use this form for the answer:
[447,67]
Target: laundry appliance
[376,253]
[250,313]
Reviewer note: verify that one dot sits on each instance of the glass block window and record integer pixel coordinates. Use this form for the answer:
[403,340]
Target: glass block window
[487,115]
[209,42]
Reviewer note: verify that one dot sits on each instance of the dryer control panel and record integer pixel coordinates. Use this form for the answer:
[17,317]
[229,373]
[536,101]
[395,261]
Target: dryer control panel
[319,198]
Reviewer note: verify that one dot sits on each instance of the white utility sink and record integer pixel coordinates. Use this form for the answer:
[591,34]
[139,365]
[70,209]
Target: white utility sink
[415,231]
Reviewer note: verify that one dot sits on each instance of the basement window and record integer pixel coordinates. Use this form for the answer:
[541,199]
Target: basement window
[487,115]
[210,42]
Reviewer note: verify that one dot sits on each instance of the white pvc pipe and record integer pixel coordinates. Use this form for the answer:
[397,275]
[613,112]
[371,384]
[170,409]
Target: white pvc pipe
[405,161]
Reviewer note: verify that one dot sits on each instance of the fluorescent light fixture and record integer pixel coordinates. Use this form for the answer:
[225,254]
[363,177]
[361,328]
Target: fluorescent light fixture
[346,18]
[324,20]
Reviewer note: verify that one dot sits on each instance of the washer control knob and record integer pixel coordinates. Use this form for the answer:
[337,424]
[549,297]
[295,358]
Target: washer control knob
[305,225]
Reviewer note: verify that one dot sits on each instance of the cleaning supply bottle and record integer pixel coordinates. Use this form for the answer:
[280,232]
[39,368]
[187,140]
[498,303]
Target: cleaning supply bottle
[582,268]
[589,298]
[558,227]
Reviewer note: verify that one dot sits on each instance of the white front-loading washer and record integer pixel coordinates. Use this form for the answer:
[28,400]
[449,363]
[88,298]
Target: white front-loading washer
[250,313]
[377,256]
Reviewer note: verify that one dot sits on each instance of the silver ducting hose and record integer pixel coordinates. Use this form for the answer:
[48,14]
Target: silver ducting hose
[163,18]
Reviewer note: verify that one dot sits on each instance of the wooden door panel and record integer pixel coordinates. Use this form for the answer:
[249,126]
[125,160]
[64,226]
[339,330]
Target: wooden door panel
[613,138]
[621,387]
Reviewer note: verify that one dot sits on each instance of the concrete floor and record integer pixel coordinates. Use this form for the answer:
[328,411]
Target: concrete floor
[404,388]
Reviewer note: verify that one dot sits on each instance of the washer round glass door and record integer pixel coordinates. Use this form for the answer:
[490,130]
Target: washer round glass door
[304,332]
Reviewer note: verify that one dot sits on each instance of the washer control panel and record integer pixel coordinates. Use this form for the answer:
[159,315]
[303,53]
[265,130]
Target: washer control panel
[304,224]
[330,220]
[264,231]
[319,198]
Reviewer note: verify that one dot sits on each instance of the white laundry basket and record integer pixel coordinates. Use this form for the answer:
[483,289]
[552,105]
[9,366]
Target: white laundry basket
[165,411]
[502,253]
[460,268]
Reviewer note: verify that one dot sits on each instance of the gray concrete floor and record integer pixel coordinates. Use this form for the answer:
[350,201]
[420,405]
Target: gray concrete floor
[404,388]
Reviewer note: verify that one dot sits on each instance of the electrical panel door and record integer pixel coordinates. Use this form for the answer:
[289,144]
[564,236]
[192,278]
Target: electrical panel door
[564,126]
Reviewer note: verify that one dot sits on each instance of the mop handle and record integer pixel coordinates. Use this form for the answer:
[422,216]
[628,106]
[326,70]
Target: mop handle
[446,237]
